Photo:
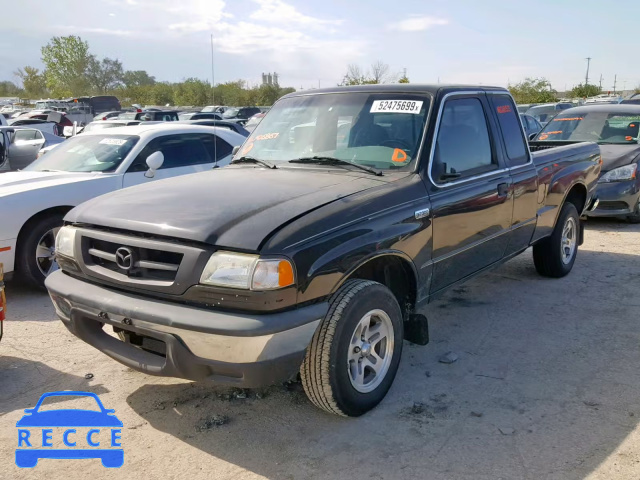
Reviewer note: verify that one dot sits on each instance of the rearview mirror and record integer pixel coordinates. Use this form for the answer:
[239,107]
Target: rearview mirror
[235,150]
[154,162]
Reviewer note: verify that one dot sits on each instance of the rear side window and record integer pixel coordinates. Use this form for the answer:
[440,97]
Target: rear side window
[463,148]
[216,147]
[178,150]
[511,130]
[24,135]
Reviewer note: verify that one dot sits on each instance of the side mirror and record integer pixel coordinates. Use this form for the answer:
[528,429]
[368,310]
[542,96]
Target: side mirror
[532,136]
[235,150]
[154,162]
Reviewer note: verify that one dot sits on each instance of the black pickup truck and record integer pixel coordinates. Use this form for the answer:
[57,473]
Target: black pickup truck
[317,250]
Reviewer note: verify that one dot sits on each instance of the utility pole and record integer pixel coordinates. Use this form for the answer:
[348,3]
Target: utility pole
[586,80]
[615,83]
[600,82]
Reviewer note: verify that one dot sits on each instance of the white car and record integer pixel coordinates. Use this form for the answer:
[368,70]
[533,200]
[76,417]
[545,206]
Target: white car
[34,201]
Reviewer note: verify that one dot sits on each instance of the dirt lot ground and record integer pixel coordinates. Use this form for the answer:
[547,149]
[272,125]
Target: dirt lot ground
[546,385]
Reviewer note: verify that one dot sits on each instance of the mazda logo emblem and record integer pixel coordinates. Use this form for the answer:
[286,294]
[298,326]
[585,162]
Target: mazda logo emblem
[125,258]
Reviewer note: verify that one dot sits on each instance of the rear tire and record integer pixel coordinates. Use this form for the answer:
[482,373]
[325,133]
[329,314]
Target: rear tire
[34,256]
[554,256]
[354,355]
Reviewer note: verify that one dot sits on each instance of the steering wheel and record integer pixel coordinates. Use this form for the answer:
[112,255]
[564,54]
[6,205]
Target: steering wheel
[395,143]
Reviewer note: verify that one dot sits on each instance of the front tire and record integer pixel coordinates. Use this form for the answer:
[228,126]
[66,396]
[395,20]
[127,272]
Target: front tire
[35,259]
[354,355]
[554,256]
[634,217]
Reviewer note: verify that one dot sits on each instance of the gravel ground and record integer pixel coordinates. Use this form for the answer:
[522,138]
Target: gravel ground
[546,385]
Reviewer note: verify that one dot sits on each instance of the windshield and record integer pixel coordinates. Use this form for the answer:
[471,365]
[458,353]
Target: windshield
[600,126]
[230,113]
[101,126]
[380,130]
[255,120]
[86,153]
[208,109]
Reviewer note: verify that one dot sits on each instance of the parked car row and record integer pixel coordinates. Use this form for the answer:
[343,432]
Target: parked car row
[615,128]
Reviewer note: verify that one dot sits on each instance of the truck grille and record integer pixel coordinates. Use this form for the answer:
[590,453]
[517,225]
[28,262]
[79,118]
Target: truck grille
[140,263]
[132,261]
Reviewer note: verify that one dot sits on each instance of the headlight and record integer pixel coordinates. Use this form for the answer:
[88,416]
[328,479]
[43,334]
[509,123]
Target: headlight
[248,272]
[628,172]
[66,241]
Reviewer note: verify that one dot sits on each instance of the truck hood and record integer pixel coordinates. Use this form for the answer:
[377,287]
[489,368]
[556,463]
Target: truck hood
[614,156]
[235,207]
[17,182]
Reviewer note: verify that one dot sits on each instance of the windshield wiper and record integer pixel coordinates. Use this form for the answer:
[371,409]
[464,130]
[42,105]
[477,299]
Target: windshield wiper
[254,160]
[335,161]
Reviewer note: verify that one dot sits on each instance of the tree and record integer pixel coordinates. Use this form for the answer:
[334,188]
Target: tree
[192,92]
[356,76]
[403,79]
[380,73]
[161,94]
[585,91]
[230,93]
[533,90]
[104,76]
[137,78]
[66,60]
[33,82]
[9,89]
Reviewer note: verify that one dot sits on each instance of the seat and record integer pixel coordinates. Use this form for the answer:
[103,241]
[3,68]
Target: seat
[365,133]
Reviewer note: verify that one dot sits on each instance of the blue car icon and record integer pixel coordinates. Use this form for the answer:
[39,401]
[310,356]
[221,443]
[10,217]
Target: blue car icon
[104,418]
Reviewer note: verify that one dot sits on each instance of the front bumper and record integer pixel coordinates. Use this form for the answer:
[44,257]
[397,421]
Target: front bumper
[617,199]
[8,254]
[184,341]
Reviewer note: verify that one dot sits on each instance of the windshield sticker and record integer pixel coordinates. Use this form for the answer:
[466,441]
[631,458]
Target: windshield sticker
[267,136]
[543,137]
[399,156]
[396,106]
[504,109]
[113,141]
[247,148]
[568,119]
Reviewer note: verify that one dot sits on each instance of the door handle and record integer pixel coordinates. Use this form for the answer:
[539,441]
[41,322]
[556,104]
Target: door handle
[503,189]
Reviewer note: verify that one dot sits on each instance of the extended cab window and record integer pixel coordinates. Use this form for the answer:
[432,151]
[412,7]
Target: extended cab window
[463,147]
[178,150]
[511,130]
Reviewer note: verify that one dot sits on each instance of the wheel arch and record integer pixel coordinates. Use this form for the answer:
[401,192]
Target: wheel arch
[59,210]
[576,194]
[393,269]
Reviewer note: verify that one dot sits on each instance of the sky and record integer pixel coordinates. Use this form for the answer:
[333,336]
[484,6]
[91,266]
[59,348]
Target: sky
[311,42]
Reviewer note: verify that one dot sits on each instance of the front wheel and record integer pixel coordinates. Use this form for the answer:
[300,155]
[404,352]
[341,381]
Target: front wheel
[554,256]
[355,352]
[635,217]
[35,257]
